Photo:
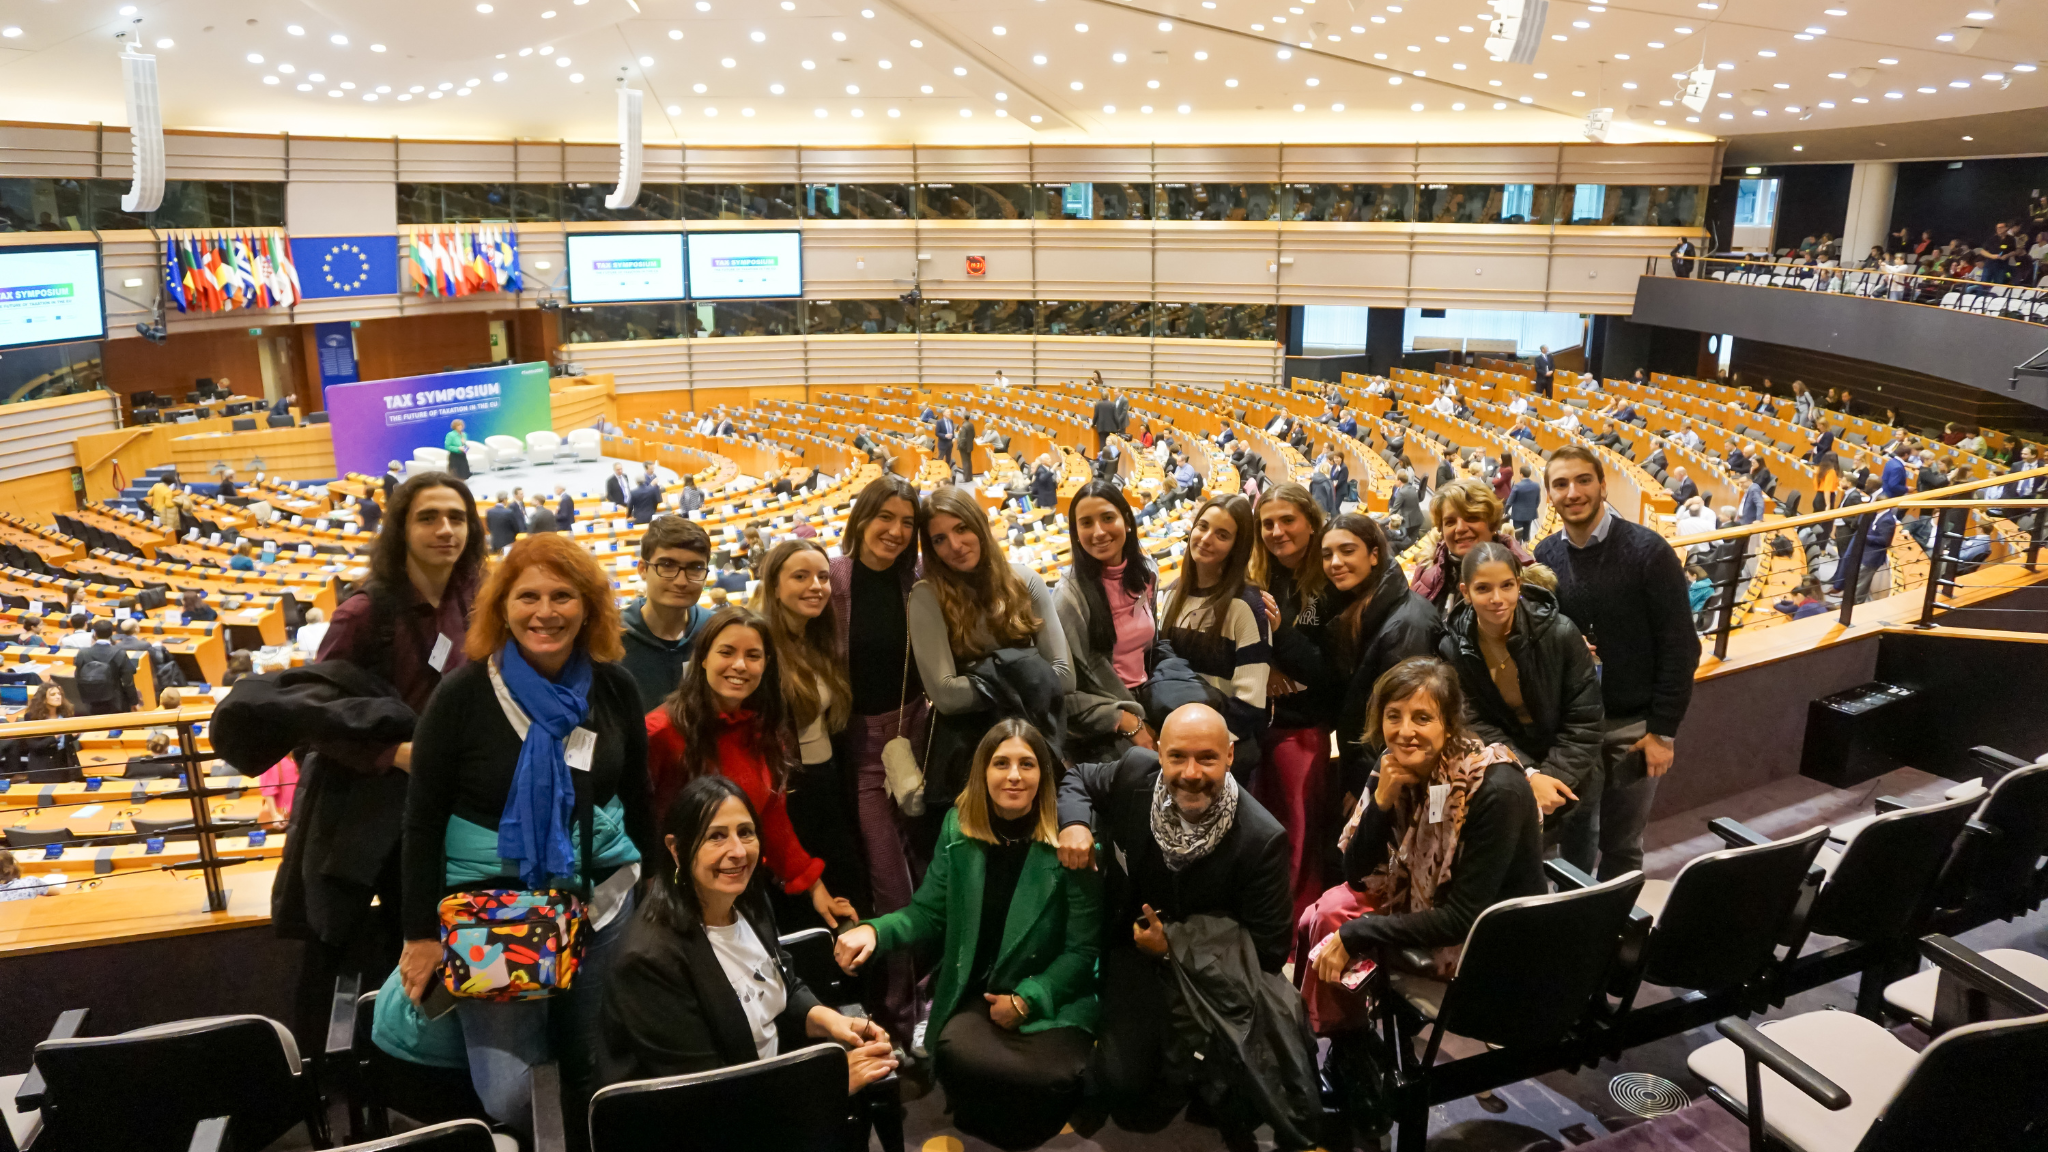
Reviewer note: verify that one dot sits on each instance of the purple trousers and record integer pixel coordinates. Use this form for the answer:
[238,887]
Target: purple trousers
[894,996]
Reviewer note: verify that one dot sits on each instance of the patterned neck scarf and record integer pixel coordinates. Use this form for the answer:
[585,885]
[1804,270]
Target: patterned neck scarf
[1423,854]
[1184,843]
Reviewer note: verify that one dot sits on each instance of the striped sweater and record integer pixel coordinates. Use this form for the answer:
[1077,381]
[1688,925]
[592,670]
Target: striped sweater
[1236,661]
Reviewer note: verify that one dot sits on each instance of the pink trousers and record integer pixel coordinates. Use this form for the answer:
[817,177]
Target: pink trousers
[1292,784]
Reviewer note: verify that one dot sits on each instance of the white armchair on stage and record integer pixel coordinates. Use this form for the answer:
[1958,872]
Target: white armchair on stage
[481,458]
[430,460]
[542,446]
[588,443]
[508,449]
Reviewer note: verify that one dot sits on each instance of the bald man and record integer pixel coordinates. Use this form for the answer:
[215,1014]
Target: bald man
[1178,838]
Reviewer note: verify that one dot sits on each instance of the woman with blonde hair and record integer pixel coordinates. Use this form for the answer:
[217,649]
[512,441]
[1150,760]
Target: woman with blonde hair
[972,603]
[1216,621]
[1466,513]
[794,597]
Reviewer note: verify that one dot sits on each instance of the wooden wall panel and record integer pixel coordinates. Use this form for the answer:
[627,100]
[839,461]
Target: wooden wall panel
[420,344]
[37,435]
[39,496]
[225,355]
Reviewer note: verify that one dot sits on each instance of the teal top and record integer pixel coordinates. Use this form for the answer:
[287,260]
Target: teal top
[453,441]
[1051,937]
[471,849]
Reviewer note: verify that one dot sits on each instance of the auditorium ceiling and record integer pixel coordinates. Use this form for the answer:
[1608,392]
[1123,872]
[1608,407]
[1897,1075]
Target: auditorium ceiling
[970,71]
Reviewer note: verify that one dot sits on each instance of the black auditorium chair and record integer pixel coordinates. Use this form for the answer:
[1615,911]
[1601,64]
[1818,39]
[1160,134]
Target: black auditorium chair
[880,1105]
[147,1090]
[277,421]
[795,1102]
[377,1084]
[1997,871]
[243,424]
[1876,894]
[1531,980]
[25,838]
[1833,1080]
[316,418]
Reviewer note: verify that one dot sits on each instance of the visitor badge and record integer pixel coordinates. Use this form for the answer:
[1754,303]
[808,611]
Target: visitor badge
[1439,795]
[580,749]
[438,658]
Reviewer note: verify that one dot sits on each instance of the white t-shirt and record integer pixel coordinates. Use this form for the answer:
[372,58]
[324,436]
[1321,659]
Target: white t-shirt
[755,978]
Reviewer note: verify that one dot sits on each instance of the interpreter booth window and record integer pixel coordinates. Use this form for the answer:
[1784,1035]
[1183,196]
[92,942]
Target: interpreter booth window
[975,201]
[858,317]
[981,317]
[740,201]
[1097,200]
[745,318]
[1094,318]
[857,201]
[1756,203]
[1215,321]
[454,203]
[41,204]
[586,202]
[1218,201]
[615,322]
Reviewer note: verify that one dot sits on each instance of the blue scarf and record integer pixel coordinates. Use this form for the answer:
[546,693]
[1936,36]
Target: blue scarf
[534,829]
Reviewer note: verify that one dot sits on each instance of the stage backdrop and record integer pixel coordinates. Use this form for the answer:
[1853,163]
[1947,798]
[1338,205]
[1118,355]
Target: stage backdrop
[378,421]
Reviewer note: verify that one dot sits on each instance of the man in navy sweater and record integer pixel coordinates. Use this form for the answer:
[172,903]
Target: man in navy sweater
[1624,587]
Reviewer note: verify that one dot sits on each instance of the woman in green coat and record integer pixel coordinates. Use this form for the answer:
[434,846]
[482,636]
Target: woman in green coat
[457,445]
[1014,1008]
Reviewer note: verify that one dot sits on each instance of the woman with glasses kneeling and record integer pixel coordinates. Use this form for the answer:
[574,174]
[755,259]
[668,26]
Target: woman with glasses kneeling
[700,982]
[1449,830]
[1014,1011]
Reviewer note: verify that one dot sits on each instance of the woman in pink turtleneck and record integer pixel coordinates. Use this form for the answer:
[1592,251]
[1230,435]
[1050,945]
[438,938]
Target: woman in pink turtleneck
[1104,600]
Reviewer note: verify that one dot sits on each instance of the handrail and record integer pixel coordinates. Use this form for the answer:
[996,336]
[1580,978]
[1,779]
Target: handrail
[1912,500]
[134,434]
[107,721]
[1843,269]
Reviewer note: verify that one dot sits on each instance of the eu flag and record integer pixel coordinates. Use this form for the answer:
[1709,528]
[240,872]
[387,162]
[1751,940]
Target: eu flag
[331,266]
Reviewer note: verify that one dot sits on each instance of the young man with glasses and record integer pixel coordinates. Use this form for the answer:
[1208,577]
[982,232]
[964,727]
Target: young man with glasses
[675,556]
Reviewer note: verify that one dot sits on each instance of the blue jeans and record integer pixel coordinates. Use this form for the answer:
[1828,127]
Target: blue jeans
[1608,824]
[506,1040]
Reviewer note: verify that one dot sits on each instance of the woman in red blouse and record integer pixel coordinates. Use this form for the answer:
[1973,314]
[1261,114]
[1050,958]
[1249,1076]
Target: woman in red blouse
[727,718]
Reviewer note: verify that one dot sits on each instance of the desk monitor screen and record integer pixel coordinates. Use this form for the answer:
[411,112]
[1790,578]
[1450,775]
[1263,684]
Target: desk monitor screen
[746,265]
[616,267]
[50,294]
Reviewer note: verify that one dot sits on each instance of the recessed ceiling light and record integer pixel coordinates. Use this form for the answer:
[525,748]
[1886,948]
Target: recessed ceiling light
[271,80]
[1994,75]
[1683,31]
[1781,84]
[1656,43]
[1579,94]
[700,89]
[1284,54]
[486,9]
[1201,55]
[1895,95]
[1498,106]
[1581,24]
[1075,85]
[1621,55]
[433,95]
[1945,37]
[1166,25]
[724,62]
[563,62]
[1766,53]
[1000,30]
[1232,83]
[776,89]
[1458,67]
[316,77]
[758,37]
[1924,90]
[675,109]
[1969,137]
[809,65]
[917,43]
[294,29]
[1980,14]
[1959,83]
[2023,67]
[1080,27]
[1118,57]
[1312,82]
[1155,83]
[305,87]
[1827,103]
[925,88]
[253,57]
[338,38]
[128,10]
[703,5]
[1859,99]
[1887,60]
[383,87]
[1838,11]
[959,71]
[1111,108]
[1630,84]
[1038,59]
[547,50]
[884,65]
[376,47]
[166,42]
[673,34]
[839,36]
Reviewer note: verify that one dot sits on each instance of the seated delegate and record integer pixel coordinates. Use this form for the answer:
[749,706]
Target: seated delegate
[700,983]
[1013,1010]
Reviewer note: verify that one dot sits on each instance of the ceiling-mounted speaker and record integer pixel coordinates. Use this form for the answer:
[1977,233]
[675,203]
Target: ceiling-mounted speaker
[1517,32]
[1862,76]
[1597,122]
[1698,87]
[629,151]
[145,133]
[1966,37]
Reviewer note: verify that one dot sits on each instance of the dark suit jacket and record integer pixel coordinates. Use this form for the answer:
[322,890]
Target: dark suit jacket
[565,512]
[615,489]
[1543,368]
[503,523]
[372,514]
[669,1009]
[642,501]
[541,519]
[943,433]
[1104,419]
[1406,501]
[1322,492]
[391,484]
[1686,490]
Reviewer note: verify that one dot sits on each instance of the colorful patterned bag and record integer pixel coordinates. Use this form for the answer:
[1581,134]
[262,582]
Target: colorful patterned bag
[511,945]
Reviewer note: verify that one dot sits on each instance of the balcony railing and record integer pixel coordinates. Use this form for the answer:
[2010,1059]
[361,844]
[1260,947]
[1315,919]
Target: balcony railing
[2023,302]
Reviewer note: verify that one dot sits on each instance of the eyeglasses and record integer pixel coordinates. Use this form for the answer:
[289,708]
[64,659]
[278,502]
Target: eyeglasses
[669,570]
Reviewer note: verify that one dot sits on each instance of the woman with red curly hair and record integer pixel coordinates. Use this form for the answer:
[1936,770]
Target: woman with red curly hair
[538,733]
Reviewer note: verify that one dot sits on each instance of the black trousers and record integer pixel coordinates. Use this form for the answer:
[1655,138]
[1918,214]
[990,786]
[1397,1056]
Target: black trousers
[821,810]
[458,465]
[1011,1089]
[1128,1072]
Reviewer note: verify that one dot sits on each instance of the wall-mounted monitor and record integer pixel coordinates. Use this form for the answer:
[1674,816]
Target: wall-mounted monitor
[51,294]
[622,267]
[746,265]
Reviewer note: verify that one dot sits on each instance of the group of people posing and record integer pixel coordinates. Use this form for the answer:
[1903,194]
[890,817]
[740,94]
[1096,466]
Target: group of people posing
[1020,808]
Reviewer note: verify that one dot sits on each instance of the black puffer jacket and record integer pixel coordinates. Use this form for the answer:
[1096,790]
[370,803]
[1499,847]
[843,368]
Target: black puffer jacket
[1560,691]
[1394,625]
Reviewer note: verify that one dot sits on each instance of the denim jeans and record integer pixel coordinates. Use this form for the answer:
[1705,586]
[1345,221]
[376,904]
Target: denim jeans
[506,1040]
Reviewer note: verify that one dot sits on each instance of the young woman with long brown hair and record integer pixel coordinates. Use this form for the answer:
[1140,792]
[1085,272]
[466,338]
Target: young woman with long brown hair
[971,602]
[1295,751]
[1216,621]
[795,597]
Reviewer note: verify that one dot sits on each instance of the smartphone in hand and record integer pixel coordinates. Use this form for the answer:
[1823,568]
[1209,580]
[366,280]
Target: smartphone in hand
[439,1000]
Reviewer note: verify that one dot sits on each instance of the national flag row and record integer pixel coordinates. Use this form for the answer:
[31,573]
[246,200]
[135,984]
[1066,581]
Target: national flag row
[221,271]
[459,260]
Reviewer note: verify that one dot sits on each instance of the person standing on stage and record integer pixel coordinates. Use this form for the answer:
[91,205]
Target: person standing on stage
[458,450]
